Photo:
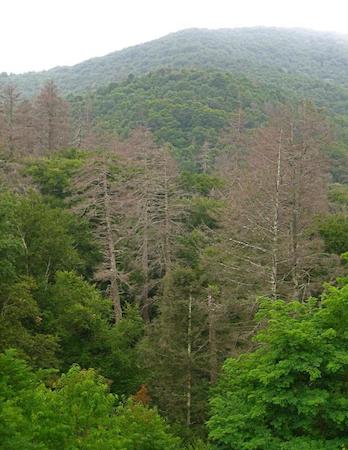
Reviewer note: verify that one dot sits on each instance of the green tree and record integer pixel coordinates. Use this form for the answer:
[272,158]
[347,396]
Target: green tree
[80,317]
[334,231]
[51,114]
[53,174]
[21,325]
[291,391]
[79,412]
[37,240]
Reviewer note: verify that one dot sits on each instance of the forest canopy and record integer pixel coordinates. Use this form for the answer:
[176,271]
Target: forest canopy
[173,255]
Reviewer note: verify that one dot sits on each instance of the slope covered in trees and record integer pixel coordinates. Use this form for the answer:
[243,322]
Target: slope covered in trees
[181,108]
[262,53]
[148,232]
[190,108]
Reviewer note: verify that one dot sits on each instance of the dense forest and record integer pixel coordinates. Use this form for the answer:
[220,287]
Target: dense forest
[174,247]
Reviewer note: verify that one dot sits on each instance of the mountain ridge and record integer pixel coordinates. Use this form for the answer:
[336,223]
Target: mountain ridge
[254,51]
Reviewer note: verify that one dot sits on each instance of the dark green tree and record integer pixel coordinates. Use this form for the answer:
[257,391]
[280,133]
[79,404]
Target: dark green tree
[291,391]
[79,412]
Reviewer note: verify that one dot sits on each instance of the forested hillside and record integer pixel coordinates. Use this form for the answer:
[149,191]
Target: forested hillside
[189,107]
[174,248]
[261,53]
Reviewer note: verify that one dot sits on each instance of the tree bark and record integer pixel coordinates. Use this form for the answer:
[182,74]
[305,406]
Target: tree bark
[145,250]
[114,289]
[167,256]
[275,225]
[212,339]
[189,363]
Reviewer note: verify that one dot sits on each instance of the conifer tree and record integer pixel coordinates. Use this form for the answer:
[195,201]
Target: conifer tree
[96,195]
[276,193]
[51,118]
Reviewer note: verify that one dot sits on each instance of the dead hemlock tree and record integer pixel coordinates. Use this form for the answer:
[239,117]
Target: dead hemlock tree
[85,132]
[156,208]
[9,102]
[306,184]
[13,119]
[27,138]
[51,119]
[37,126]
[280,191]
[19,127]
[98,195]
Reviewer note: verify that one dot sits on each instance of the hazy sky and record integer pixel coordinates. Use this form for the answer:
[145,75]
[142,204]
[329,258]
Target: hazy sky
[40,34]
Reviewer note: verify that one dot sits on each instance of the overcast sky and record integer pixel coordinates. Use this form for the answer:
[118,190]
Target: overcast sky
[40,34]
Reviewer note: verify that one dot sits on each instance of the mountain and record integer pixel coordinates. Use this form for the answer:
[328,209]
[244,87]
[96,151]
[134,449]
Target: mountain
[184,108]
[190,108]
[259,53]
[186,86]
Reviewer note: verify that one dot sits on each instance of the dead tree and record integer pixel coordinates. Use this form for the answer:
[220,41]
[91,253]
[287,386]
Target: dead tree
[9,102]
[97,196]
[155,208]
[51,114]
[276,193]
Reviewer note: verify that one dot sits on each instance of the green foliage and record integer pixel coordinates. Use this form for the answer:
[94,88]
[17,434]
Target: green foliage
[122,364]
[16,382]
[78,413]
[182,108]
[76,312]
[53,175]
[20,325]
[49,313]
[11,248]
[291,391]
[193,90]
[203,211]
[334,232]
[46,243]
[38,239]
[338,155]
[165,352]
[200,183]
[36,242]
[338,195]
[190,246]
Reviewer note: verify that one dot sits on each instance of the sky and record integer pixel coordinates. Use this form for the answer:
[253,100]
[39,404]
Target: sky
[41,34]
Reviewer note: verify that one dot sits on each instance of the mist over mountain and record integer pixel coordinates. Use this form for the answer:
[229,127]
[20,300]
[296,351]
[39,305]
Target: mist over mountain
[259,52]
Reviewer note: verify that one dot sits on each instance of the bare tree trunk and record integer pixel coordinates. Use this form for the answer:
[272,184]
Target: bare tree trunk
[50,130]
[114,290]
[144,301]
[10,125]
[167,258]
[212,339]
[9,98]
[294,262]
[204,159]
[275,225]
[145,266]
[189,363]
[294,224]
[239,122]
